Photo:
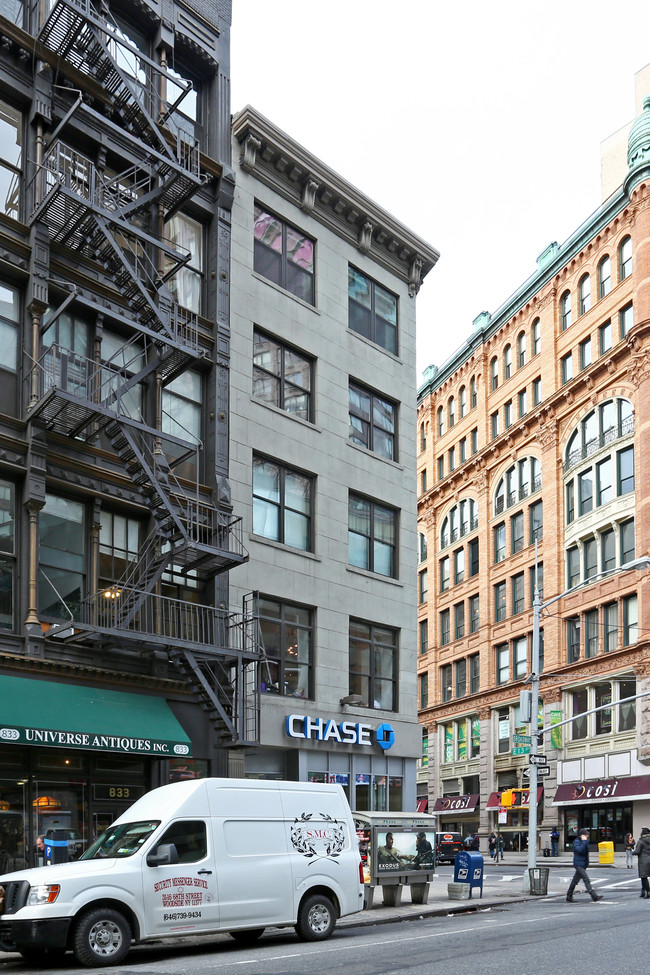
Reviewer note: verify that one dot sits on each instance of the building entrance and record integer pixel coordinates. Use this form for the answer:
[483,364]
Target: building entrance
[604,824]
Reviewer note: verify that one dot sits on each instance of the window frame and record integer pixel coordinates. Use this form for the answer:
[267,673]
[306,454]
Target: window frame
[375,508]
[285,264]
[283,383]
[284,470]
[375,429]
[286,619]
[374,317]
[373,673]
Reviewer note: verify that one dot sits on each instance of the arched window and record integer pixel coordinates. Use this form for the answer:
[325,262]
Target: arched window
[452,411]
[625,258]
[441,421]
[472,393]
[462,396]
[537,336]
[520,480]
[423,436]
[604,276]
[565,311]
[521,349]
[507,362]
[494,373]
[608,422]
[584,291]
[461,520]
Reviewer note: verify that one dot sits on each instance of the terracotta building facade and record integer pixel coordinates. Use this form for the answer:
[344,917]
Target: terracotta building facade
[533,469]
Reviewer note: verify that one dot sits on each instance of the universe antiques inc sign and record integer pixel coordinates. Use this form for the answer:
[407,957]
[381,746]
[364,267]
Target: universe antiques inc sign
[94,742]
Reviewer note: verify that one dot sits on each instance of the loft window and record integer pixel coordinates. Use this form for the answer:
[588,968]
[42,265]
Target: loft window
[282,504]
[372,536]
[373,655]
[283,254]
[287,634]
[372,310]
[282,377]
[11,143]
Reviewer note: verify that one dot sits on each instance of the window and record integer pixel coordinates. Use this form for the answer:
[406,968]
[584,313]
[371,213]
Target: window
[503,663]
[182,402]
[604,481]
[570,502]
[9,321]
[499,534]
[523,402]
[591,633]
[625,470]
[573,566]
[423,481]
[8,555]
[625,258]
[573,639]
[603,696]
[373,423]
[626,319]
[537,337]
[499,602]
[451,406]
[585,353]
[422,547]
[517,532]
[495,424]
[630,620]
[605,337]
[424,690]
[372,311]
[424,635]
[423,437]
[473,557]
[519,481]
[521,349]
[626,531]
[590,557]
[61,567]
[282,504]
[459,566]
[537,391]
[374,664]
[507,411]
[474,436]
[503,729]
[518,604]
[474,673]
[519,657]
[472,393]
[119,542]
[189,839]
[441,421]
[283,377]
[285,256]
[461,678]
[507,362]
[452,459]
[585,492]
[372,534]
[578,707]
[627,712]
[536,521]
[604,277]
[444,574]
[459,620]
[610,628]
[441,468]
[494,373]
[567,368]
[584,292]
[608,550]
[287,634]
[460,520]
[536,580]
[445,681]
[186,286]
[463,449]
[474,615]
[462,397]
[565,311]
[11,142]
[445,634]
[423,585]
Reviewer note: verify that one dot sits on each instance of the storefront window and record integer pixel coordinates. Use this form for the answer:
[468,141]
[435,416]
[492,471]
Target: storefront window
[14,854]
[60,815]
[181,769]
[380,792]
[395,792]
[362,787]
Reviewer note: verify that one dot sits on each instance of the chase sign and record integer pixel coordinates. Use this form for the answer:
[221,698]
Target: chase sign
[342,733]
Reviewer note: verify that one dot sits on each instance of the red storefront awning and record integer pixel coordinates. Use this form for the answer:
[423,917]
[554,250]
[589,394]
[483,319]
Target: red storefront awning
[521,798]
[461,804]
[603,790]
[422,805]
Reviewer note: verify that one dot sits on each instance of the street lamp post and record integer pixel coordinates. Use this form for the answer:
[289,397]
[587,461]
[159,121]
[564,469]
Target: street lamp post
[538,608]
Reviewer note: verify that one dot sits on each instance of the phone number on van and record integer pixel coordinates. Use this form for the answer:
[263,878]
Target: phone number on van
[182,915]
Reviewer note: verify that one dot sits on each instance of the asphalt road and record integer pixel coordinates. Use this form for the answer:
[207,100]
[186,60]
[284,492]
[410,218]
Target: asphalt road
[543,935]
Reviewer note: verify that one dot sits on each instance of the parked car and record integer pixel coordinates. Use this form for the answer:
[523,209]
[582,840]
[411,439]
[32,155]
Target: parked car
[448,844]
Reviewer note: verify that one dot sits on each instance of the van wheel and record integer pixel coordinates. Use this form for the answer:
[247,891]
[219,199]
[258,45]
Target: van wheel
[316,918]
[247,937]
[101,937]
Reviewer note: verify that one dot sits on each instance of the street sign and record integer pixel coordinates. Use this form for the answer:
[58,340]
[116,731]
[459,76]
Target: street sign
[521,750]
[542,770]
[538,760]
[522,739]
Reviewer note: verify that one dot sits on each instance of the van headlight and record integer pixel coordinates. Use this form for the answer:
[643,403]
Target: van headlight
[43,894]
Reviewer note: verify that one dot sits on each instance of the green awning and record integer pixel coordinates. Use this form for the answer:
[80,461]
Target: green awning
[41,712]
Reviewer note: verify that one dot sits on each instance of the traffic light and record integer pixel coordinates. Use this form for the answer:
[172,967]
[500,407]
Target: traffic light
[508,797]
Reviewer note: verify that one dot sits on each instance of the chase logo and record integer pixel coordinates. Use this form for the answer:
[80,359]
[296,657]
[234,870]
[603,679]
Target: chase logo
[385,736]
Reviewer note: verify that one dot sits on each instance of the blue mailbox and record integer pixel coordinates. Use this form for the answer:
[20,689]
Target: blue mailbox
[468,869]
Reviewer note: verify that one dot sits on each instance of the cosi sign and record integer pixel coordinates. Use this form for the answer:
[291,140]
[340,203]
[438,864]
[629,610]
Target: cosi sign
[342,733]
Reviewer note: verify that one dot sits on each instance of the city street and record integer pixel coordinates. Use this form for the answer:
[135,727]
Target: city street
[540,934]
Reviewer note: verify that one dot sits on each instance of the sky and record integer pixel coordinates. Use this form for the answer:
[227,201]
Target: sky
[478,125]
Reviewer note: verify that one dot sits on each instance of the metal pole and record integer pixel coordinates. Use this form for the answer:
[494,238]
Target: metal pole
[534,722]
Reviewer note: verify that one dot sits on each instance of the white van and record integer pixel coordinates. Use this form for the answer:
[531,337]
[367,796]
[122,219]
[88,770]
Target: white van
[198,857]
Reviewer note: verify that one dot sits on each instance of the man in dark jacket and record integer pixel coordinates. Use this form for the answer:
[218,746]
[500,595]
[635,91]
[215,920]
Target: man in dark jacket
[581,862]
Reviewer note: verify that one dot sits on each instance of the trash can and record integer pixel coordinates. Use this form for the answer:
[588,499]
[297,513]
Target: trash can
[538,880]
[605,852]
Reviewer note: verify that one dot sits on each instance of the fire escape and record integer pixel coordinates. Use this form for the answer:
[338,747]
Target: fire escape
[102,217]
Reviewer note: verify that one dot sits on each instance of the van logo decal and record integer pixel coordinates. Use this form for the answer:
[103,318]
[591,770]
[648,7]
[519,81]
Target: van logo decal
[318,839]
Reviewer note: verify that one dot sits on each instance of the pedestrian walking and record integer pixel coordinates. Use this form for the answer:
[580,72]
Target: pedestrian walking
[581,862]
[642,851]
[476,843]
[630,843]
[501,846]
[555,839]
[492,845]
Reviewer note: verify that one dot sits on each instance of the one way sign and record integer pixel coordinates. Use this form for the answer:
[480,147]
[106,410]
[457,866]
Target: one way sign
[542,770]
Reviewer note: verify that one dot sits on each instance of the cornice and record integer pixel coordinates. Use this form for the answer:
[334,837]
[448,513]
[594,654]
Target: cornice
[81,672]
[271,156]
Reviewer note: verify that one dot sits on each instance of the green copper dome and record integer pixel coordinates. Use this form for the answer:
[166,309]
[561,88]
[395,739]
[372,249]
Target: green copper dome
[638,146]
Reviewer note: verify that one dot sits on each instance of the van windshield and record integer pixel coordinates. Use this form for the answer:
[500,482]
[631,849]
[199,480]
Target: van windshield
[121,841]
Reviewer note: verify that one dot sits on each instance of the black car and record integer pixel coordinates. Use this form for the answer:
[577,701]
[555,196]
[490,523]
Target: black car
[448,844]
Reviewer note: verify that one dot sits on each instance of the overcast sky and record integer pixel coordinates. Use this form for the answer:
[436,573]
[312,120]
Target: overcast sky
[476,124]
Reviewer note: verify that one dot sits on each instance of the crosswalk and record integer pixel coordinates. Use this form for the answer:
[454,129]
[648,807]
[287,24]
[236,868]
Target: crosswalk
[564,880]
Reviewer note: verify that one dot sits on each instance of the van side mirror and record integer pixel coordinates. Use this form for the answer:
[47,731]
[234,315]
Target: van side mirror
[163,855]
